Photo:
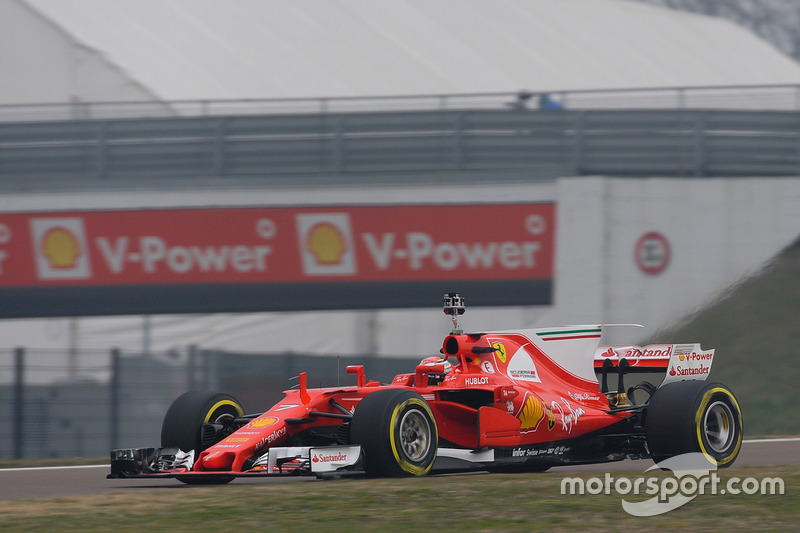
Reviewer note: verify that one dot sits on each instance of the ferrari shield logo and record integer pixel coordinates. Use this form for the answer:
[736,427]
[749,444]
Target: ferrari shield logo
[500,351]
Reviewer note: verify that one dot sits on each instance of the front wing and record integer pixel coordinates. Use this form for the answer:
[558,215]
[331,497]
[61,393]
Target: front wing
[348,460]
[320,461]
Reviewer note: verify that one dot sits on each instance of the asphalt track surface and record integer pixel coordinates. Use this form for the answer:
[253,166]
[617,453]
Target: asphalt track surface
[55,482]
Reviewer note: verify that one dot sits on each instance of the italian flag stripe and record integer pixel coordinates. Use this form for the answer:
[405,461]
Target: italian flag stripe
[568,335]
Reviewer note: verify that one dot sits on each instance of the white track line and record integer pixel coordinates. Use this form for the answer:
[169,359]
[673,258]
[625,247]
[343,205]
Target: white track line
[42,468]
[793,439]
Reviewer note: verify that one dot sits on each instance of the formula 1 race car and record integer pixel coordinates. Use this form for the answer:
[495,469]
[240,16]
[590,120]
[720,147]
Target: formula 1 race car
[497,401]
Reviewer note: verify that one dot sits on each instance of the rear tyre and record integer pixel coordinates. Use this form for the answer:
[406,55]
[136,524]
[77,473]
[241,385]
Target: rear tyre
[694,416]
[184,421]
[397,432]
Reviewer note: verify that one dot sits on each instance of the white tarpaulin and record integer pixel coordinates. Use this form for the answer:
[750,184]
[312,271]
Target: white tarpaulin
[206,49]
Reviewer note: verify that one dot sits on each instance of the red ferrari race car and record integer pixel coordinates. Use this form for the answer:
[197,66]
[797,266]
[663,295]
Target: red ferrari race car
[497,401]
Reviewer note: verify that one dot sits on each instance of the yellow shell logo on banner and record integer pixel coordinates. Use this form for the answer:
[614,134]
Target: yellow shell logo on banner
[61,248]
[327,243]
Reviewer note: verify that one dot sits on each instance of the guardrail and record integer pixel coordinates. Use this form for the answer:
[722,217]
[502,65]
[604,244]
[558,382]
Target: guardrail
[785,97]
[291,148]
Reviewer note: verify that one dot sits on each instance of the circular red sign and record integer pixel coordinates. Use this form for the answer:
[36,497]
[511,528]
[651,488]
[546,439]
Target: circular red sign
[652,253]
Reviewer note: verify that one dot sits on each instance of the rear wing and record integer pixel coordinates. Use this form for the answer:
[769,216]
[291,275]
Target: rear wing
[679,361]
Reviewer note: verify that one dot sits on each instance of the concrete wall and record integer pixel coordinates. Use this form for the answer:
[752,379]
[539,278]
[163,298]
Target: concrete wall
[718,231]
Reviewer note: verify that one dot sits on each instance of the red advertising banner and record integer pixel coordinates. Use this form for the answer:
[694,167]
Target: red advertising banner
[277,245]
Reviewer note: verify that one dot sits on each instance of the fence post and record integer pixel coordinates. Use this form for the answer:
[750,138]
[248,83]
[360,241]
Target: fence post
[699,126]
[192,367]
[102,152]
[206,371]
[219,148]
[576,151]
[115,397]
[458,153]
[337,143]
[19,403]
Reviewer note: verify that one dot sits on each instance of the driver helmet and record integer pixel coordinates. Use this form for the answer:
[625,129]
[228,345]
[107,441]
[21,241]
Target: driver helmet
[436,360]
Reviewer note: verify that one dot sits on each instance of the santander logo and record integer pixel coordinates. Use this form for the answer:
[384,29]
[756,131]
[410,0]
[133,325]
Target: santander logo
[339,457]
[691,371]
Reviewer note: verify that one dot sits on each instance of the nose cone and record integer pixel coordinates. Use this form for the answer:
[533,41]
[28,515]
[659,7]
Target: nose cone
[218,461]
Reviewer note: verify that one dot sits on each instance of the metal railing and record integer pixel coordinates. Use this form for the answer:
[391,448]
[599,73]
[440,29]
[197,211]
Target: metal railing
[781,97]
[330,148]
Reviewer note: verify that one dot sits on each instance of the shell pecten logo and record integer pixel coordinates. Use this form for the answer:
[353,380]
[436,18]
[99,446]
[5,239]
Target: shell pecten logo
[263,422]
[61,248]
[326,243]
[532,413]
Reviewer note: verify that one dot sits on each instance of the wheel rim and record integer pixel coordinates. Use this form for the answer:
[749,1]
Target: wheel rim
[718,426]
[415,436]
[221,419]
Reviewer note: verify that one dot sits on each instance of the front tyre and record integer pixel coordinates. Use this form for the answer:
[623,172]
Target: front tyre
[185,418]
[694,416]
[397,432]
[183,424]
